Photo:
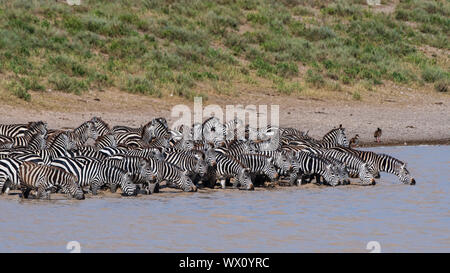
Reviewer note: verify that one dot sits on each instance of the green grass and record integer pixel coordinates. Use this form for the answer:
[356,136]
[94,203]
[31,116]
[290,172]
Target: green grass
[157,47]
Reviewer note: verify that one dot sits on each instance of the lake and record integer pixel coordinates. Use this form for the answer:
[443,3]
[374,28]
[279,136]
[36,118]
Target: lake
[309,218]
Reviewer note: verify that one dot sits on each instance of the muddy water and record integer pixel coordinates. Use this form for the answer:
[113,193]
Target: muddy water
[301,219]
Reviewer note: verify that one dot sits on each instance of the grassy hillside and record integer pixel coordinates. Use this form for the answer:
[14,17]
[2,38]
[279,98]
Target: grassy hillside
[189,48]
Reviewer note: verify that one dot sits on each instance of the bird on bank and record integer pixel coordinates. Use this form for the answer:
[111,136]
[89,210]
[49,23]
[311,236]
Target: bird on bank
[377,135]
[354,141]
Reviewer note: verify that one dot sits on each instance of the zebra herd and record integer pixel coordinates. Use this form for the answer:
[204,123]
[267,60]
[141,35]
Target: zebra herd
[95,156]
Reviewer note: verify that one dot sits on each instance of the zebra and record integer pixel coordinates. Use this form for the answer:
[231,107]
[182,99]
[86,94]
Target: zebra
[17,130]
[106,140]
[129,139]
[143,170]
[191,162]
[101,126]
[31,139]
[9,171]
[173,175]
[371,164]
[356,166]
[87,152]
[126,129]
[259,165]
[59,147]
[310,164]
[96,174]
[237,147]
[78,135]
[228,167]
[33,176]
[386,163]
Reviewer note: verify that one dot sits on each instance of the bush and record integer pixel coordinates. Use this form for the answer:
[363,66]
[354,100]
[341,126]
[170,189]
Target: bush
[314,78]
[64,83]
[441,86]
[432,74]
[356,95]
[142,86]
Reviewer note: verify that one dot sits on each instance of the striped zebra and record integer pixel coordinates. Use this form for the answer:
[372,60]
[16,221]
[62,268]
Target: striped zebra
[33,176]
[17,130]
[106,140]
[144,153]
[126,129]
[59,147]
[78,135]
[87,151]
[237,147]
[192,163]
[95,174]
[282,160]
[157,128]
[386,163]
[310,164]
[143,170]
[228,167]
[259,165]
[356,166]
[174,176]
[129,139]
[101,126]
[9,174]
[30,139]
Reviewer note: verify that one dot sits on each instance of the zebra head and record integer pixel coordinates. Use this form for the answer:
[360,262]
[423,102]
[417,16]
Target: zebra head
[270,170]
[283,161]
[201,166]
[127,185]
[365,175]
[91,130]
[331,175]
[146,172]
[337,137]
[73,188]
[185,183]
[404,175]
[244,179]
[210,156]
[38,127]
[343,173]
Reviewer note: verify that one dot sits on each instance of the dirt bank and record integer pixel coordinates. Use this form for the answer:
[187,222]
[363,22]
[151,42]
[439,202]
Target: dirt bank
[418,119]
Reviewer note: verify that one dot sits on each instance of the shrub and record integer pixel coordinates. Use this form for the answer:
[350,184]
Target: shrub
[356,95]
[441,86]
[141,85]
[432,74]
[314,78]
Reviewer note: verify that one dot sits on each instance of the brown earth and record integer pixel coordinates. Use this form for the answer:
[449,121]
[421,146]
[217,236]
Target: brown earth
[411,117]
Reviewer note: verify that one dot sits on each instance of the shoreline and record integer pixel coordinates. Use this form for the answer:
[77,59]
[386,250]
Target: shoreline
[413,142]
[421,120]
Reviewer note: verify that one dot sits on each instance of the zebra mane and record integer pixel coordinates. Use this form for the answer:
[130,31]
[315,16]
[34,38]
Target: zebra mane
[334,130]
[395,160]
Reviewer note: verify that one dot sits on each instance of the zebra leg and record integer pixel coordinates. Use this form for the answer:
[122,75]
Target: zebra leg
[223,183]
[317,178]
[25,192]
[113,188]
[94,189]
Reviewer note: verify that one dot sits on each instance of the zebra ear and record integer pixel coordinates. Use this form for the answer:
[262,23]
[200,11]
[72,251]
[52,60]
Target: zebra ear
[270,160]
[403,166]
[328,167]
